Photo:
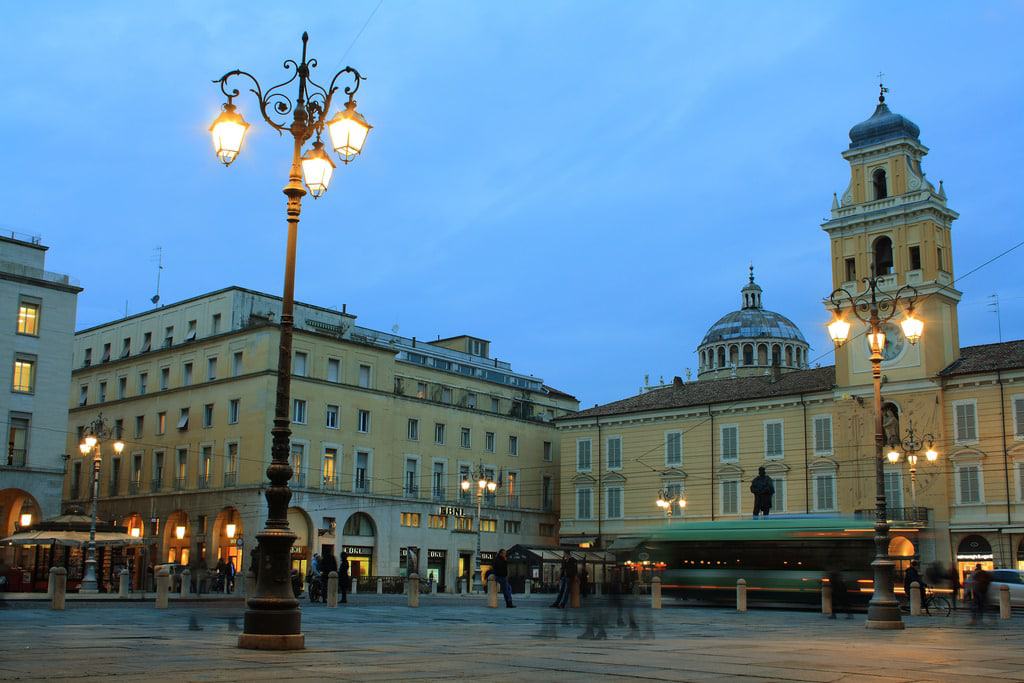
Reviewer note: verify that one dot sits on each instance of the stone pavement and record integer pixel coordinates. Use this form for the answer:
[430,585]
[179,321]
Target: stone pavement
[378,638]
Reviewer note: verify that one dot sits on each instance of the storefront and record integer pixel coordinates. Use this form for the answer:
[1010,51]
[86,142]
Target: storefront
[301,555]
[436,562]
[486,561]
[973,550]
[360,560]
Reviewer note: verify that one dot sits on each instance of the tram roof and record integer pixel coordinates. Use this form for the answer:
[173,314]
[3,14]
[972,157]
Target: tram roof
[762,529]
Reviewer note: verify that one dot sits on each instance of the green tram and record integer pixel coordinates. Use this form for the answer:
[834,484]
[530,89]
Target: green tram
[782,560]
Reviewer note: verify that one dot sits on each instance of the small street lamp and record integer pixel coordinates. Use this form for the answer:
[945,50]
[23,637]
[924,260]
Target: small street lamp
[272,617]
[912,444]
[484,483]
[875,309]
[95,434]
[668,502]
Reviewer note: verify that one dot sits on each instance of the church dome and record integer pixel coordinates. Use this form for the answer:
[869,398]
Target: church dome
[883,126]
[751,341]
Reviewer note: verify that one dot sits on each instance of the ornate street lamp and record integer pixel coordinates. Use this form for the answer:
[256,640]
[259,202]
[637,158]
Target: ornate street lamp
[875,309]
[95,435]
[668,502]
[484,483]
[912,444]
[272,617]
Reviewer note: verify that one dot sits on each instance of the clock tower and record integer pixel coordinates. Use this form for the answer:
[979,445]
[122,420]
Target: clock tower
[892,221]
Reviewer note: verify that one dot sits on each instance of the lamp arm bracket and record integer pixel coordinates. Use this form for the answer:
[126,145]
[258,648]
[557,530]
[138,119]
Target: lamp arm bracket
[275,101]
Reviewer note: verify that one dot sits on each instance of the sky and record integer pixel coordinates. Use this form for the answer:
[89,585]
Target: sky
[582,183]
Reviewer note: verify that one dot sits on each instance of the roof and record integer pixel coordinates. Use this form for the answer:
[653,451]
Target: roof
[987,358]
[883,126]
[559,394]
[753,323]
[689,394]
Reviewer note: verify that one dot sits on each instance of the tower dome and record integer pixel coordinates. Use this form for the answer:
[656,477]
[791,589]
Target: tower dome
[751,341]
[883,126]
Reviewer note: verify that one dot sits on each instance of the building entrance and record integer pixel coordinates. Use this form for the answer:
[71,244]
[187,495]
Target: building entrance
[973,550]
[436,561]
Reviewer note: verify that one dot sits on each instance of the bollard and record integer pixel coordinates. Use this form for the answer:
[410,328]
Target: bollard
[227,585]
[433,587]
[826,597]
[332,589]
[250,583]
[465,586]
[163,587]
[741,595]
[380,586]
[597,588]
[574,592]
[656,592]
[1004,602]
[186,582]
[527,587]
[58,587]
[492,592]
[915,599]
[412,587]
[122,588]
[355,586]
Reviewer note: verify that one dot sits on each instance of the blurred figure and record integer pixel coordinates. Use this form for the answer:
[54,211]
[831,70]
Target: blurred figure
[344,582]
[913,574]
[621,601]
[840,595]
[569,572]
[978,583]
[327,565]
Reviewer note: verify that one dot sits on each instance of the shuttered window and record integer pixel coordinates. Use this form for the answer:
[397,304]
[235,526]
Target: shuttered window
[673,449]
[773,449]
[823,435]
[966,419]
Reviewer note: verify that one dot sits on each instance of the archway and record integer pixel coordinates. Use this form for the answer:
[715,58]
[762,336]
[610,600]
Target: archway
[359,538]
[879,185]
[18,509]
[748,354]
[901,551]
[302,547]
[762,354]
[1020,555]
[721,357]
[177,538]
[227,537]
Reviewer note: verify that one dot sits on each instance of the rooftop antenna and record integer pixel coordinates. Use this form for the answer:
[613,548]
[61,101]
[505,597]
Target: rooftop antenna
[159,258]
[993,306]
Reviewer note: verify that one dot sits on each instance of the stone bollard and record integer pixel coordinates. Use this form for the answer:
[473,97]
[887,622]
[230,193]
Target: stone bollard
[492,592]
[380,586]
[163,587]
[915,599]
[574,592]
[527,587]
[826,597]
[122,588]
[741,595]
[465,586]
[412,587]
[597,588]
[656,592]
[433,587]
[332,589]
[1004,602]
[355,586]
[186,583]
[250,583]
[58,585]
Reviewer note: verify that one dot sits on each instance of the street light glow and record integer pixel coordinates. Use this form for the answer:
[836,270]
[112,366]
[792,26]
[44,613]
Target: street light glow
[90,441]
[317,169]
[228,130]
[893,455]
[179,532]
[26,519]
[912,327]
[230,529]
[348,130]
[839,331]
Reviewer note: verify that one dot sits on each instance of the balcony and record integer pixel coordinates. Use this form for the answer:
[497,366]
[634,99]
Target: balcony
[438,494]
[203,482]
[411,491]
[16,457]
[114,489]
[230,479]
[330,483]
[298,480]
[179,483]
[133,487]
[548,505]
[156,484]
[513,502]
[908,515]
[361,484]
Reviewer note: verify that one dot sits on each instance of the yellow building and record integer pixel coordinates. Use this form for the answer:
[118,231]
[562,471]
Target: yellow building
[384,428]
[756,402]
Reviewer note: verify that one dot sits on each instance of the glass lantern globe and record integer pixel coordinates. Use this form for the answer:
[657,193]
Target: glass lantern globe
[348,131]
[228,131]
[317,169]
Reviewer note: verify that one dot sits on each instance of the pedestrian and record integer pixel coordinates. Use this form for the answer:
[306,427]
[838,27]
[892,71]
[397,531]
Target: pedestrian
[327,565]
[622,602]
[500,571]
[568,574]
[913,574]
[222,576]
[979,581]
[229,574]
[763,490]
[343,580]
[840,595]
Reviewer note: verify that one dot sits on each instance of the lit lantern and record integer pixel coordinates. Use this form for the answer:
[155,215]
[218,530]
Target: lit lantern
[179,532]
[682,504]
[84,447]
[912,327]
[135,532]
[230,529]
[893,455]
[118,446]
[492,486]
[839,330]
[317,169]
[465,484]
[228,130]
[931,454]
[348,131]
[90,441]
[26,519]
[876,341]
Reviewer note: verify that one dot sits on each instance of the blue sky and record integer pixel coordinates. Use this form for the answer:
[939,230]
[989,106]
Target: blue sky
[583,183]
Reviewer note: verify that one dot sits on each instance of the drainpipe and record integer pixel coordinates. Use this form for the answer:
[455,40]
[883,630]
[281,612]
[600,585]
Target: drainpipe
[600,465]
[1006,452]
[711,415]
[807,469]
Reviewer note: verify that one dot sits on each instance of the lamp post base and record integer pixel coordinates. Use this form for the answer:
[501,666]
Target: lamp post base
[884,616]
[269,641]
[884,625]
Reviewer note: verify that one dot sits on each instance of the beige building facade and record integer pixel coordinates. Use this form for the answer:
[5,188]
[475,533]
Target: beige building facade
[384,428]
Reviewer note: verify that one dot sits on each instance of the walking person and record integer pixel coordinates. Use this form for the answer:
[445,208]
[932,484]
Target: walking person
[569,572]
[343,581]
[840,595]
[913,574]
[500,571]
[979,582]
[327,565]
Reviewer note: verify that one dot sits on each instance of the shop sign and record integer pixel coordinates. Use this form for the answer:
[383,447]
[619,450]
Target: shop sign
[487,555]
[436,554]
[451,511]
[970,557]
[357,549]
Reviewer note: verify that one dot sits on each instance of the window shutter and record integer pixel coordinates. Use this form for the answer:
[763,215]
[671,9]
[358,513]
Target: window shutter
[1018,412]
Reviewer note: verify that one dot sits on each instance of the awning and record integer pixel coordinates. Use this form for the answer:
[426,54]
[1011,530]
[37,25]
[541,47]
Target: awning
[624,544]
[576,540]
[70,538]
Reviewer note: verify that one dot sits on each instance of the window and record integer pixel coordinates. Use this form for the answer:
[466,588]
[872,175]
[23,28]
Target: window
[298,411]
[183,419]
[412,430]
[236,364]
[825,492]
[140,421]
[488,526]
[463,523]
[489,442]
[158,469]
[190,335]
[17,441]
[106,353]
[439,433]
[328,465]
[205,466]
[614,448]
[211,369]
[28,318]
[583,503]
[24,374]
[168,336]
[823,435]
[471,400]
[186,374]
[103,392]
[161,423]
[233,405]
[730,497]
[438,522]
[476,347]
[143,382]
[547,451]
[583,455]
[215,324]
[299,365]
[363,424]
[940,262]
[361,472]
[208,415]
[513,526]
[182,472]
[412,477]
[137,469]
[965,421]
[165,378]
[230,462]
[546,529]
[673,449]
[851,269]
[126,347]
[968,480]
[298,460]
[122,387]
[1018,418]
[613,498]
[495,405]
[147,342]
[882,250]
[421,389]
[730,446]
[83,394]
[332,416]
[513,445]
[465,438]
[438,481]
[87,361]
[893,488]
[446,395]
[773,446]
[915,257]
[545,492]
[364,376]
[333,370]
[779,498]
[879,184]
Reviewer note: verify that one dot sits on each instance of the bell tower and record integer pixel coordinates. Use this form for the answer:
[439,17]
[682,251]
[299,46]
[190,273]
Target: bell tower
[892,221]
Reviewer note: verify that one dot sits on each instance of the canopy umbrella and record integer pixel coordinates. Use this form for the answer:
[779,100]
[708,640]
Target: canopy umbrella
[69,538]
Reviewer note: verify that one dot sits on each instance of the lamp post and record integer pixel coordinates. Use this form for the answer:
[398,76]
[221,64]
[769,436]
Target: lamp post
[912,444]
[483,483]
[875,309]
[272,617]
[668,501]
[94,435]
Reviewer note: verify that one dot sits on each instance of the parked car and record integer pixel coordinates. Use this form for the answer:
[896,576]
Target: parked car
[174,570]
[1012,579]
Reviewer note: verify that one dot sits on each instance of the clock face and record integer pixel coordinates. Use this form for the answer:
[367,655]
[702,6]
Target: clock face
[894,341]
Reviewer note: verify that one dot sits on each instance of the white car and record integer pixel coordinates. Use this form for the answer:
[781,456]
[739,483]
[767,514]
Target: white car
[1012,579]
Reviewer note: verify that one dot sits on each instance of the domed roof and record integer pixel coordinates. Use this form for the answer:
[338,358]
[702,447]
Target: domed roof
[882,126]
[752,321]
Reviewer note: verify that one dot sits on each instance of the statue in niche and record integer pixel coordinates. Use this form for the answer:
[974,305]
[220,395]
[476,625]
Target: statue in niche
[891,424]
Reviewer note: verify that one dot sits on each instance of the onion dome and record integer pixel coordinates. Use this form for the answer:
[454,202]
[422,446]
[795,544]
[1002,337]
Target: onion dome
[883,126]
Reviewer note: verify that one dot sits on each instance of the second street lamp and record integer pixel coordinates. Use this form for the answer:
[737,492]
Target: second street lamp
[668,502]
[912,444]
[95,435]
[485,483]
[272,617]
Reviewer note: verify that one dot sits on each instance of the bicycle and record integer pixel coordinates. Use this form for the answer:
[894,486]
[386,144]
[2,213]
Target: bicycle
[932,605]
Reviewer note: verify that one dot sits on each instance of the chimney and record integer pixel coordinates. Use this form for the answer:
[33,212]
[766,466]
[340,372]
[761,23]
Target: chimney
[677,381]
